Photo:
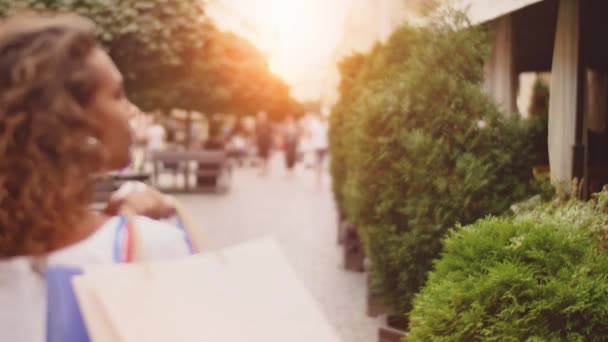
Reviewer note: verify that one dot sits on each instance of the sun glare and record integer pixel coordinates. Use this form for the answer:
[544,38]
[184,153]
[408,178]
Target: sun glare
[298,36]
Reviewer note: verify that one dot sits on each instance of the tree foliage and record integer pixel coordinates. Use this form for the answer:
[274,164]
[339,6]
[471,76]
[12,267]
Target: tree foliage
[148,27]
[173,56]
[229,75]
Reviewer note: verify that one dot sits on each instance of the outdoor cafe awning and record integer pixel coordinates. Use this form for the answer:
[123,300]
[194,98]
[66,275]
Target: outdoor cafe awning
[481,11]
[504,65]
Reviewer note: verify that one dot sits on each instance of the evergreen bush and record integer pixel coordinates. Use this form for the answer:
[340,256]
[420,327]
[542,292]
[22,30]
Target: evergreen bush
[350,69]
[361,74]
[541,275]
[427,149]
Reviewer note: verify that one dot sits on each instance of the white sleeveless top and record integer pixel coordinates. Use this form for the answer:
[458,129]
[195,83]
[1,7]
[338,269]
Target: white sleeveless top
[23,290]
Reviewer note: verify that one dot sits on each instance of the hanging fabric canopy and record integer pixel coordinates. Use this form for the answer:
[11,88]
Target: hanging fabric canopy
[500,75]
[562,103]
[481,11]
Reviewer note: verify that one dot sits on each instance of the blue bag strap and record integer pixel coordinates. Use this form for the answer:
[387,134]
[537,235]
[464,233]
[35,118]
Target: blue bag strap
[120,240]
[189,242]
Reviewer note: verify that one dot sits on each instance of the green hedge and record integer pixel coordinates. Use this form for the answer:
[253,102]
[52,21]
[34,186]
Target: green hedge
[425,149]
[359,74]
[351,70]
[538,276]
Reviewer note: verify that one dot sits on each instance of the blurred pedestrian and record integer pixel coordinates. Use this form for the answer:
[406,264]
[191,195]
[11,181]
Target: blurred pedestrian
[156,134]
[237,145]
[319,141]
[291,137]
[215,142]
[264,139]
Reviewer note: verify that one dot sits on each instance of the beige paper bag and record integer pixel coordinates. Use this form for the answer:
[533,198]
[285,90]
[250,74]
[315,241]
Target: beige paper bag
[250,294]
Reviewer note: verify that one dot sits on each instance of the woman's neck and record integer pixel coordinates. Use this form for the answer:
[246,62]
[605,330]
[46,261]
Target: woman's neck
[90,222]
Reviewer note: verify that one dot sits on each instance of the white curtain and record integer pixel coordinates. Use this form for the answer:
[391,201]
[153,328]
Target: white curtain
[562,103]
[500,75]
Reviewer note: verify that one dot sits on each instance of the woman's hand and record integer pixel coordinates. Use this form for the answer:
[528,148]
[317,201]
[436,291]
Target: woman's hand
[142,200]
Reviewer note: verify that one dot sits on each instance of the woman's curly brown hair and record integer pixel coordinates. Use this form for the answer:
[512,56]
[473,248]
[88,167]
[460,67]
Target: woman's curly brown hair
[47,142]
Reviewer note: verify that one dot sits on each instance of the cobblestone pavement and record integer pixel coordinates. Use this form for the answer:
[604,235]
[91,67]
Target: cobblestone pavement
[301,216]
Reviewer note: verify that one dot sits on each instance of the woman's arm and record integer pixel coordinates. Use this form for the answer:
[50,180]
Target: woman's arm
[143,200]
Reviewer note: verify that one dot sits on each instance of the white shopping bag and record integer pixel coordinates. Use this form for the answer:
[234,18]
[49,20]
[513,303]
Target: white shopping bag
[250,293]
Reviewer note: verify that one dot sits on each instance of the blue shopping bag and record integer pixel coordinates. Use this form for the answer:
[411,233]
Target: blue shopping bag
[63,320]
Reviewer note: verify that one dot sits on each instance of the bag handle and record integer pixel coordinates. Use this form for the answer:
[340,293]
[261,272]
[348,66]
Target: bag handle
[126,241]
[185,225]
[184,221]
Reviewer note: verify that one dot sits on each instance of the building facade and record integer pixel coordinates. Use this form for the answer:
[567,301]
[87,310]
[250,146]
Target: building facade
[563,38]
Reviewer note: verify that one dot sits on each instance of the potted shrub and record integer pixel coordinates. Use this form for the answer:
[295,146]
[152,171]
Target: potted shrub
[538,276]
[428,149]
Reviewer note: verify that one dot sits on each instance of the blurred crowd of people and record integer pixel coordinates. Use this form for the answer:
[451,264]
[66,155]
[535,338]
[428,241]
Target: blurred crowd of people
[303,139]
[248,141]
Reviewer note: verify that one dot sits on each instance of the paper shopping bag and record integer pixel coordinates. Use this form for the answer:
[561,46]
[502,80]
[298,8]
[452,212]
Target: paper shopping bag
[249,294]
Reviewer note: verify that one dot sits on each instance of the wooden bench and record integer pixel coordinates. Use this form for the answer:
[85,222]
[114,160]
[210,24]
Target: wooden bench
[212,171]
[105,186]
[103,189]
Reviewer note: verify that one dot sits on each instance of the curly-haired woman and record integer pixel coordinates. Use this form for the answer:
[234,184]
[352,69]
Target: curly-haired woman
[63,119]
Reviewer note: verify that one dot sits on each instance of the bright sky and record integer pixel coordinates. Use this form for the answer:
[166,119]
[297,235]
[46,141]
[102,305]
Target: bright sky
[303,39]
[300,38]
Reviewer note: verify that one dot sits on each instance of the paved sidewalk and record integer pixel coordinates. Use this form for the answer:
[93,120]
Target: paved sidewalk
[301,216]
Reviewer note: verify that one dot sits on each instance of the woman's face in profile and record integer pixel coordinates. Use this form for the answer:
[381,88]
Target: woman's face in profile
[111,111]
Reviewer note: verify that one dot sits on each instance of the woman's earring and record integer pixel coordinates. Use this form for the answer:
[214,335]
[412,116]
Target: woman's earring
[92,141]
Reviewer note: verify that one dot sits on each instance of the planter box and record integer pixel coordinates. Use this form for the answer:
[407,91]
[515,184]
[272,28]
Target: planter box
[398,322]
[390,335]
[374,307]
[342,229]
[354,256]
